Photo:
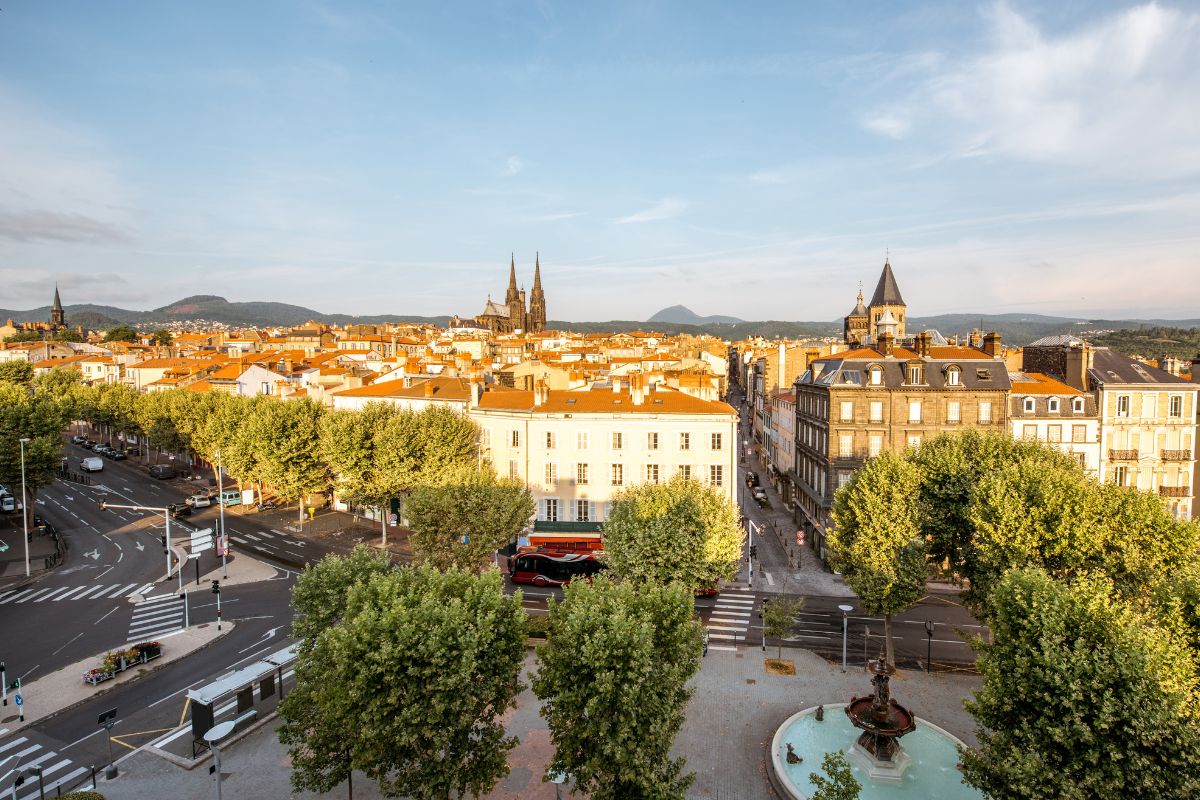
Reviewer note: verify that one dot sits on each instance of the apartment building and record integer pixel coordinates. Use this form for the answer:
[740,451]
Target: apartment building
[782,443]
[577,449]
[1044,409]
[853,405]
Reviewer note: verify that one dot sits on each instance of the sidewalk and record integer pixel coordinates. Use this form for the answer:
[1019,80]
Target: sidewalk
[12,561]
[730,722]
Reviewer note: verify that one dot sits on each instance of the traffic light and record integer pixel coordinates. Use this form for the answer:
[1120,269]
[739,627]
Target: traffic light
[216,587]
[754,551]
[163,539]
[763,607]
[101,505]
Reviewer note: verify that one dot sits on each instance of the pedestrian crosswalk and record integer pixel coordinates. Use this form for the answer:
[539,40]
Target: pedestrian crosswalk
[91,591]
[729,620]
[19,755]
[155,617]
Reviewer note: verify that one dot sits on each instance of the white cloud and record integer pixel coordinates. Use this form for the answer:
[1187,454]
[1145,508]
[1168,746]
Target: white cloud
[664,209]
[28,226]
[513,166]
[1120,94]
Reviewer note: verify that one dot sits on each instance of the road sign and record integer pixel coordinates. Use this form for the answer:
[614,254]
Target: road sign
[800,538]
[201,540]
[18,699]
[392,519]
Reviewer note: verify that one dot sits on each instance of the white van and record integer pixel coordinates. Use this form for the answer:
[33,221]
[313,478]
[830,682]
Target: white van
[91,464]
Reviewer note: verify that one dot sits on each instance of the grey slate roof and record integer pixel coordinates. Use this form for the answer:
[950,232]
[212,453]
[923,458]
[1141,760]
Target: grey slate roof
[973,374]
[1057,340]
[886,291]
[1111,367]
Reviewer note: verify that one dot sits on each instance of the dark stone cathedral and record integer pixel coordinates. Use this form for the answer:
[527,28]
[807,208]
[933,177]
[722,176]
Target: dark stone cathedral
[514,314]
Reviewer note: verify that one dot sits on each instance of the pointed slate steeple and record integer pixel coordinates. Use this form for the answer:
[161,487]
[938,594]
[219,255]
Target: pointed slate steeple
[537,298]
[887,293]
[58,318]
[511,296]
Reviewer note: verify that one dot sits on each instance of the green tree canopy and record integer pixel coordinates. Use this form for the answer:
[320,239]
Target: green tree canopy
[27,415]
[876,542]
[18,372]
[122,333]
[68,335]
[612,679]
[409,687]
[679,531]
[836,780]
[322,590]
[161,338]
[24,336]
[779,618]
[488,510]
[1082,697]
[286,437]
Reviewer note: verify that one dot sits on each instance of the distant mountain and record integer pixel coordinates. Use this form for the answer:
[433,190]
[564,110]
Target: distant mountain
[682,315]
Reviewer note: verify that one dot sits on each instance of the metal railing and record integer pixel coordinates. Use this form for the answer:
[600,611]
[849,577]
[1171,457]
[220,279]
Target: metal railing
[1176,455]
[1122,455]
[1175,491]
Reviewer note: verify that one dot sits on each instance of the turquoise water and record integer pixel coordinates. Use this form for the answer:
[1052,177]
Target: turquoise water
[932,774]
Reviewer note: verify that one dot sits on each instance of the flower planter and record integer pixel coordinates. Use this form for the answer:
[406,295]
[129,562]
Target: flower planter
[121,660]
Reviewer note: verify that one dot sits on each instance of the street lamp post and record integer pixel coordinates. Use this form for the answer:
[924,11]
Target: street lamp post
[24,503]
[845,609]
[929,645]
[214,735]
[221,511]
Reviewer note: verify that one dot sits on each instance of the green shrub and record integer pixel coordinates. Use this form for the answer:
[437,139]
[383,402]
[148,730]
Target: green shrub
[87,795]
[537,625]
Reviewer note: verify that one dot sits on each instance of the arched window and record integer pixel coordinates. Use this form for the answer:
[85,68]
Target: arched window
[875,375]
[1029,405]
[953,376]
[1077,405]
[1052,405]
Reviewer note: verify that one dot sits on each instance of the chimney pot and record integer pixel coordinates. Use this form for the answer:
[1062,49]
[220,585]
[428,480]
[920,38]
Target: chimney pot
[991,344]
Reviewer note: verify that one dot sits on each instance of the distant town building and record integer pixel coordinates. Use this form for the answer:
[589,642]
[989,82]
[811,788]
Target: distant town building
[514,315]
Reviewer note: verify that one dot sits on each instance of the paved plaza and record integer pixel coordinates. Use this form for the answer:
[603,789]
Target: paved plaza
[736,708]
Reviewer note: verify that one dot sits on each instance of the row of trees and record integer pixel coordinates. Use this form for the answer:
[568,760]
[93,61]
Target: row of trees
[1091,677]
[404,675]
[120,333]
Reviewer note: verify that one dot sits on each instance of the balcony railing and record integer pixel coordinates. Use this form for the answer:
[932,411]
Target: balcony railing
[1122,455]
[1175,491]
[1176,455]
[855,454]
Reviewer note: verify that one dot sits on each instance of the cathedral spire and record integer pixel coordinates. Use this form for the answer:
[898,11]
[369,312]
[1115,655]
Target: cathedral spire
[537,274]
[511,296]
[58,317]
[57,303]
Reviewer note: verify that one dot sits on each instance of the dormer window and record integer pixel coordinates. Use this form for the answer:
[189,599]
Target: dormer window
[1077,405]
[1052,405]
[1029,405]
[916,374]
[953,376]
[875,376]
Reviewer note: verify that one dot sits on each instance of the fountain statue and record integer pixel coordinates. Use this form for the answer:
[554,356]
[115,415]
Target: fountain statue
[882,721]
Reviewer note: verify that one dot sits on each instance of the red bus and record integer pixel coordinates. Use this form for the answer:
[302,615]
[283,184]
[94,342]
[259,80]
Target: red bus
[552,568]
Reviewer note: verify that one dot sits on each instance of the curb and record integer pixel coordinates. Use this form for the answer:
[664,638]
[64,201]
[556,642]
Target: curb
[134,679]
[190,763]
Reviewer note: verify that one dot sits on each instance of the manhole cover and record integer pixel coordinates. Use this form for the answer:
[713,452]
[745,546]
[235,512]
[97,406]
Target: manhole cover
[751,681]
[9,719]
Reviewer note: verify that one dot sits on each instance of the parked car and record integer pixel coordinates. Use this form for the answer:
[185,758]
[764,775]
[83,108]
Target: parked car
[133,451]
[230,497]
[162,471]
[102,449]
[9,504]
[751,479]
[116,455]
[79,438]
[93,464]
[179,509]
[200,501]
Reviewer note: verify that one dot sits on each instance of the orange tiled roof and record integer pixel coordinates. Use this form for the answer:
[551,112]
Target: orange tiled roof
[603,401]
[1040,384]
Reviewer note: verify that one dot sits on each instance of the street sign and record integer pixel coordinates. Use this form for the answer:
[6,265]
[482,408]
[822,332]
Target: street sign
[392,519]
[800,538]
[18,699]
[201,540]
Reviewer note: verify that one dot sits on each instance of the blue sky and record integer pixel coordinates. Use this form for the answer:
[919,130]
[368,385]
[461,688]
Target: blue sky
[748,159]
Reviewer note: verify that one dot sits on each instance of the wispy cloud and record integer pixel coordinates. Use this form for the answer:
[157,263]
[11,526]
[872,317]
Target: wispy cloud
[513,166]
[1119,94]
[666,208]
[29,226]
[556,217]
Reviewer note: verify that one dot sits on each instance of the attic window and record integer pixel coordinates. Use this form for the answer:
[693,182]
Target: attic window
[658,401]
[983,374]
[616,402]
[570,401]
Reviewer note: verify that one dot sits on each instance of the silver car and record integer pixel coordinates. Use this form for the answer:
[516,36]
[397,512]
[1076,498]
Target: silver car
[199,501]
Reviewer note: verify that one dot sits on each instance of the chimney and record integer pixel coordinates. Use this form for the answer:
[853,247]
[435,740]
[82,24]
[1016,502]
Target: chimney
[922,344]
[476,392]
[991,344]
[541,393]
[616,384]
[428,387]
[885,344]
[635,388]
[1196,369]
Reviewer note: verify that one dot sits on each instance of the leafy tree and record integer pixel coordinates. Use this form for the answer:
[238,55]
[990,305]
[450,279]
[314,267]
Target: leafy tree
[156,415]
[24,336]
[679,531]
[490,511]
[286,438]
[876,542]
[122,333]
[161,338]
[409,687]
[1081,698]
[26,415]
[18,372]
[322,590]
[779,617]
[68,335]
[612,679]
[446,441]
[1175,603]
[117,408]
[837,781]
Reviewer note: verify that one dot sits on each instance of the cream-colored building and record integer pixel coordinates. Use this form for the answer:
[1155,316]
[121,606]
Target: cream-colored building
[577,449]
[1048,410]
[1147,428]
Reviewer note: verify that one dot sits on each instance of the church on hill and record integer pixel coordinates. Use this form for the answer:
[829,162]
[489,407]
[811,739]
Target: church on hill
[514,315]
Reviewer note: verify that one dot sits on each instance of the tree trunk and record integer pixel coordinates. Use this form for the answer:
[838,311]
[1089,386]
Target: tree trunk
[887,638]
[383,525]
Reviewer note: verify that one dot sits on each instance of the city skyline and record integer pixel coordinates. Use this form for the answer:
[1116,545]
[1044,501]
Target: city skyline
[1015,157]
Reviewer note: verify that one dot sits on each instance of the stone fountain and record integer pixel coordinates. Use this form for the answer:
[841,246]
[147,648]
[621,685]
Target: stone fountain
[882,721]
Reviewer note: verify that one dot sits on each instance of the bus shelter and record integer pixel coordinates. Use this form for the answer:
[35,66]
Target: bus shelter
[241,696]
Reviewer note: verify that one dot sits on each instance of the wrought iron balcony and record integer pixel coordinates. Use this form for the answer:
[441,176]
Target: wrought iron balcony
[1122,455]
[1175,491]
[1176,455]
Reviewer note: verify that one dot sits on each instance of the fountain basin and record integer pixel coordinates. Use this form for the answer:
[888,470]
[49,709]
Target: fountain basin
[932,753]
